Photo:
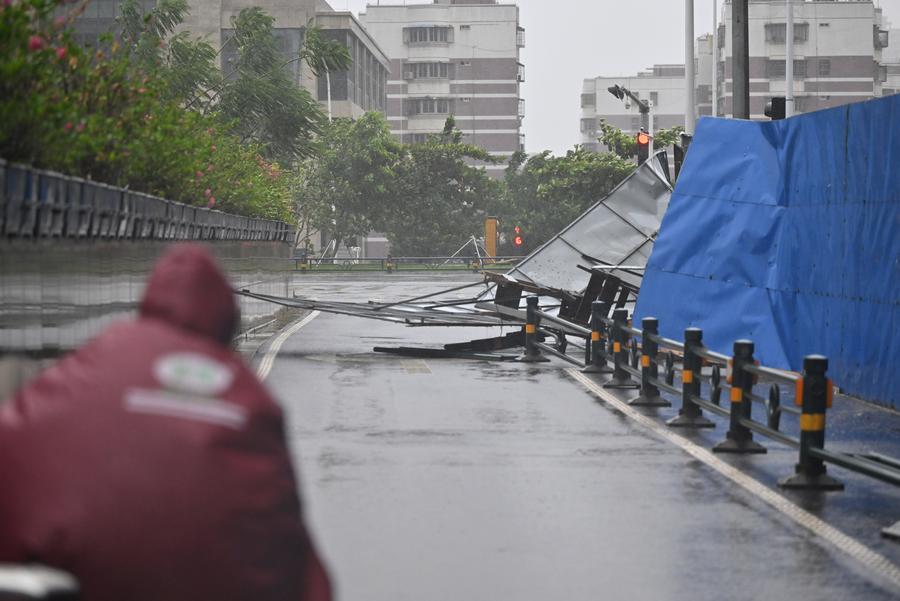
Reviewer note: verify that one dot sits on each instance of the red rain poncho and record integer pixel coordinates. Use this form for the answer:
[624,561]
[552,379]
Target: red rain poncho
[152,464]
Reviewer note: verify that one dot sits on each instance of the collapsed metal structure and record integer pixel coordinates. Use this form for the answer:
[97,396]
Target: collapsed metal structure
[599,256]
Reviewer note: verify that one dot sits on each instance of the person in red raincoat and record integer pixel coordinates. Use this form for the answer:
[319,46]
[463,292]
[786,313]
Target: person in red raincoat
[152,464]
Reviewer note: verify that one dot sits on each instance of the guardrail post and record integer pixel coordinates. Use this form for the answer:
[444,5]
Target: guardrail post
[598,347]
[814,392]
[649,369]
[532,352]
[739,438]
[690,415]
[620,377]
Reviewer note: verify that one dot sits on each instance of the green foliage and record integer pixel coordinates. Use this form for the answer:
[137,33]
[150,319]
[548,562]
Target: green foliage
[261,102]
[544,193]
[441,199]
[118,114]
[625,146]
[348,189]
[323,55]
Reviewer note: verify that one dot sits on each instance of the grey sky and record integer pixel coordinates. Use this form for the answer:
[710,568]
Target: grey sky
[567,41]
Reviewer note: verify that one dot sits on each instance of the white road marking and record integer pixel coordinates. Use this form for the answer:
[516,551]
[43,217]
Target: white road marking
[872,560]
[265,366]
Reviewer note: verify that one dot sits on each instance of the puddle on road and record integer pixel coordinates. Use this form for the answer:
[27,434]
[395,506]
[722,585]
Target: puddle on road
[415,366]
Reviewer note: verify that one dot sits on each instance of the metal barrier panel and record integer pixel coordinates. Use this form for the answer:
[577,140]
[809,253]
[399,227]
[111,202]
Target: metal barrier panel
[51,198]
[106,202]
[2,194]
[20,204]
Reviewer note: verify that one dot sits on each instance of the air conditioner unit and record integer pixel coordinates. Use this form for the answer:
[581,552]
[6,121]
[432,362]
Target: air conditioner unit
[408,75]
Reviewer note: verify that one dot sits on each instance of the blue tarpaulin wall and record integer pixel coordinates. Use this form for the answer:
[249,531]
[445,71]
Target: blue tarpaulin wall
[788,233]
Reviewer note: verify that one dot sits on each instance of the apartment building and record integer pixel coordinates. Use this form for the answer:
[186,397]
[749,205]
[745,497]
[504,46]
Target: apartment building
[838,48]
[891,62]
[453,57]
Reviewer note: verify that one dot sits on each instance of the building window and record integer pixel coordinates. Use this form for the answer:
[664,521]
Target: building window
[824,67]
[654,98]
[776,69]
[465,27]
[427,71]
[428,35]
[588,100]
[635,123]
[428,106]
[419,138]
[589,125]
[776,33]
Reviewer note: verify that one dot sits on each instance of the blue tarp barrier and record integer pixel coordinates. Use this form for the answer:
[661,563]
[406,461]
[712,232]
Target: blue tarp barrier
[788,233]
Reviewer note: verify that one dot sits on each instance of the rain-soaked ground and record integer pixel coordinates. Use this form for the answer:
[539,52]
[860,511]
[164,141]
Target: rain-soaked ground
[454,479]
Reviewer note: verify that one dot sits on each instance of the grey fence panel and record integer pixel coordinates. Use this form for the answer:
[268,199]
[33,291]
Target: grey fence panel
[21,205]
[153,218]
[107,205]
[78,211]
[129,216]
[2,195]
[51,204]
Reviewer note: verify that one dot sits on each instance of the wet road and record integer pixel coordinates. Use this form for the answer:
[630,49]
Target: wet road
[453,479]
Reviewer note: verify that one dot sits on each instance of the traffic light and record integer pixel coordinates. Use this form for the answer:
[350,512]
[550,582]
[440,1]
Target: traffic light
[775,108]
[517,237]
[643,146]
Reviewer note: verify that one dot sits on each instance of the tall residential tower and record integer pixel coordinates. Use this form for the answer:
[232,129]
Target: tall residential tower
[453,57]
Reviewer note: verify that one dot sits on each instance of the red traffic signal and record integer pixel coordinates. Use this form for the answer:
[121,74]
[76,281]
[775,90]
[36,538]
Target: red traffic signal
[643,138]
[517,239]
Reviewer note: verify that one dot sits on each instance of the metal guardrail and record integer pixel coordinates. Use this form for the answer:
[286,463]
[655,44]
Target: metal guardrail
[638,366]
[391,264]
[44,204]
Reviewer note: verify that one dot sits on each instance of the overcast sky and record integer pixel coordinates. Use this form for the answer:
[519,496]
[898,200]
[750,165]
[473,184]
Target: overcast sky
[567,41]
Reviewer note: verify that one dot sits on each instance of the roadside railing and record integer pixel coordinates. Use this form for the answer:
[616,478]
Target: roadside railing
[44,204]
[392,264]
[644,360]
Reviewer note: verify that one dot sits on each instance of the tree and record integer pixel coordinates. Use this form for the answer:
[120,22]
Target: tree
[544,193]
[350,186]
[260,101]
[324,55]
[442,197]
[625,145]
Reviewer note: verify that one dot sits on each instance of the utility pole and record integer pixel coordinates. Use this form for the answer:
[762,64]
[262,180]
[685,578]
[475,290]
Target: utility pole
[689,117]
[740,61]
[789,61]
[715,60]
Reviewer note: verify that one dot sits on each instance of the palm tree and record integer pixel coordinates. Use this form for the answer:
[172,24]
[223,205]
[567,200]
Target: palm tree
[324,55]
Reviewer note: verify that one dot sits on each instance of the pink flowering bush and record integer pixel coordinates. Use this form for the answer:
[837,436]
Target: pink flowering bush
[101,114]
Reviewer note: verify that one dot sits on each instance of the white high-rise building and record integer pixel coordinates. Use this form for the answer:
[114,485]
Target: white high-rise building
[837,53]
[453,57]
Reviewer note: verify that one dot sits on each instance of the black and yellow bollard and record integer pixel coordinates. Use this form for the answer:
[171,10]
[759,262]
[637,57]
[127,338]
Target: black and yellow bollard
[389,264]
[649,396]
[597,364]
[532,352]
[814,395]
[739,438]
[620,377]
[690,415]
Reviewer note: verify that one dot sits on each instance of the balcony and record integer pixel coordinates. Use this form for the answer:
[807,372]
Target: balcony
[521,108]
[520,37]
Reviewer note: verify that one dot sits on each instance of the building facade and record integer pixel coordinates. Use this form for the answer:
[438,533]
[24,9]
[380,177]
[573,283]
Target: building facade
[837,54]
[891,61]
[361,89]
[453,57]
